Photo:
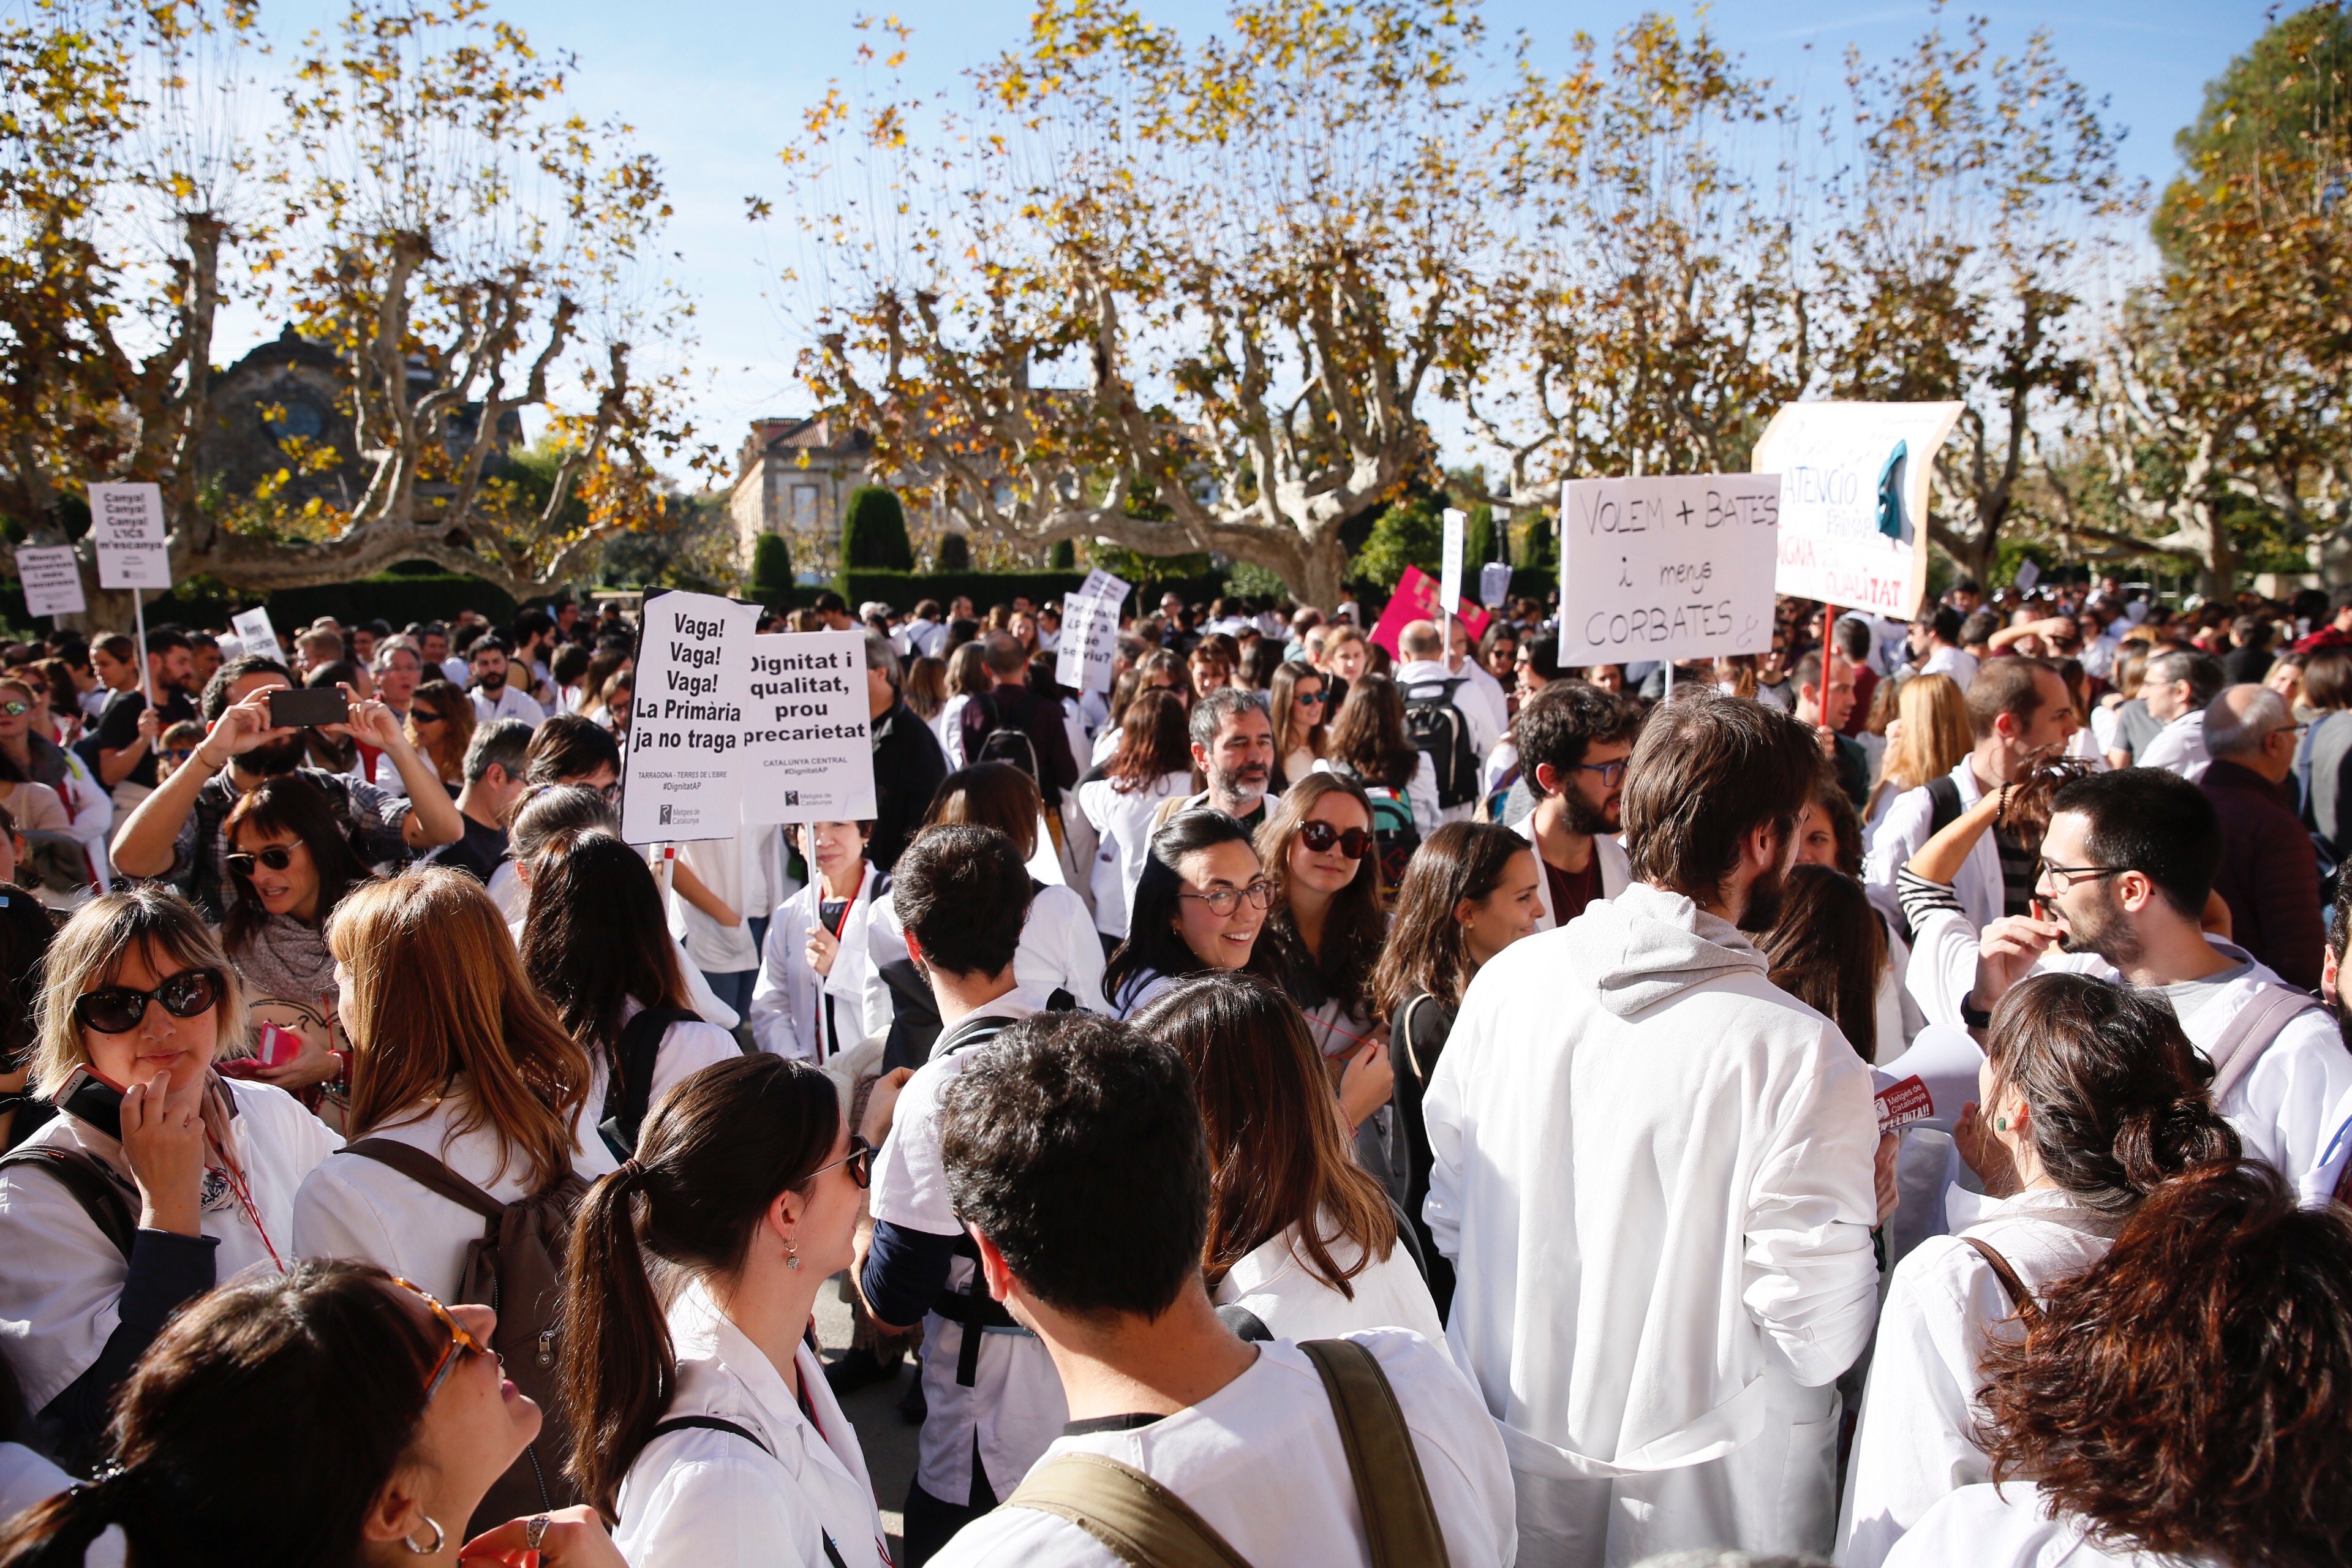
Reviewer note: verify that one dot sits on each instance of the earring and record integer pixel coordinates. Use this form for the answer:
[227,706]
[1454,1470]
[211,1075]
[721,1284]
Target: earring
[440,1537]
[791,1256]
[2001,1123]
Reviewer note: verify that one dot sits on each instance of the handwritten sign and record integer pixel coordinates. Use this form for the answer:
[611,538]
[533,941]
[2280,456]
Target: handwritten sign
[254,630]
[687,730]
[808,749]
[1415,599]
[1666,567]
[1089,645]
[52,580]
[1494,583]
[1836,460]
[1101,584]
[126,524]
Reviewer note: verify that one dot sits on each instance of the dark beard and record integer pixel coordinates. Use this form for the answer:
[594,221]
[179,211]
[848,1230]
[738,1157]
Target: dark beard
[2107,933]
[1587,819]
[277,757]
[1765,897]
[492,686]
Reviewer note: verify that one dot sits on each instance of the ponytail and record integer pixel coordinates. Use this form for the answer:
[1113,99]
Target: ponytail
[2155,1144]
[59,1534]
[716,1152]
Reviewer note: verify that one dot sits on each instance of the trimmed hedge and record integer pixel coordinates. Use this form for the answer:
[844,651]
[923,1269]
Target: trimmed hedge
[395,597]
[874,532]
[902,590]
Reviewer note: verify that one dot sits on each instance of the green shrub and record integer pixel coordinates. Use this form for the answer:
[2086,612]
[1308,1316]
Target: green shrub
[874,532]
[954,554]
[772,571]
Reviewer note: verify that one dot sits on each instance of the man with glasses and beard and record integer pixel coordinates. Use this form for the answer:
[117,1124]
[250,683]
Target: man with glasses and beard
[175,832]
[1657,1174]
[1573,741]
[2127,866]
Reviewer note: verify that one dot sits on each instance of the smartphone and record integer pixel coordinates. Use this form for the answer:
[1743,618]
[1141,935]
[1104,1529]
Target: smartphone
[307,707]
[273,1047]
[93,1099]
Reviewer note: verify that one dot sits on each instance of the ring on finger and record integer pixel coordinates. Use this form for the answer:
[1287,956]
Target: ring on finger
[535,1532]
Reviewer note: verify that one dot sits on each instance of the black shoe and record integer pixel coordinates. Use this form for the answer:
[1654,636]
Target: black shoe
[856,1370]
[912,1405]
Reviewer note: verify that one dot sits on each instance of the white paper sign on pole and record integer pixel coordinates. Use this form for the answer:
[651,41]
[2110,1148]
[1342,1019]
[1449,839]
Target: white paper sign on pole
[254,630]
[1666,567]
[808,751]
[679,777]
[1833,459]
[126,524]
[2028,573]
[52,579]
[1089,645]
[1101,584]
[1449,569]
[1494,583]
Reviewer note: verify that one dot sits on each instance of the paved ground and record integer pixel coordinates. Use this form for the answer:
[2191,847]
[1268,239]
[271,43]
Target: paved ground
[889,1440]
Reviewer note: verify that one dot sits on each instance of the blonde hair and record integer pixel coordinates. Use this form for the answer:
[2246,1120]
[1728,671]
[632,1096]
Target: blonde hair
[436,989]
[1936,731]
[88,953]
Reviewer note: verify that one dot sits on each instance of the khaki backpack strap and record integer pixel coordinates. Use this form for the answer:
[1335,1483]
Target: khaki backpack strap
[2244,1038]
[2028,1310]
[429,1174]
[1400,1522]
[1144,1524]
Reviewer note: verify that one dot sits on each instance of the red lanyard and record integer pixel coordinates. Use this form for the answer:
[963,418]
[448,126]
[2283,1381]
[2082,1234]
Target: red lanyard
[244,1201]
[823,1036]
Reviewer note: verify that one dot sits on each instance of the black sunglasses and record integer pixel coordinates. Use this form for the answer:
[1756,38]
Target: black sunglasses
[117,1009]
[1320,836]
[277,857]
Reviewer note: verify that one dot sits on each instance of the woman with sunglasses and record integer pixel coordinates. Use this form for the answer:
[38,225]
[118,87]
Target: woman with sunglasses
[702,1423]
[1300,708]
[440,725]
[51,792]
[289,865]
[159,1179]
[1154,762]
[1198,906]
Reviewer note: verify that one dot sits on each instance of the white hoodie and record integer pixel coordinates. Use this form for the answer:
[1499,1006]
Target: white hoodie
[1629,1090]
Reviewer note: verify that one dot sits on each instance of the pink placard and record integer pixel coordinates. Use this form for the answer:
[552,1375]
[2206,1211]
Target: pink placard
[1416,600]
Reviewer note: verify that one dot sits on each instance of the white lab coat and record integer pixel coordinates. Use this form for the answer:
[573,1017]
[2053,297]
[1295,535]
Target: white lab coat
[1914,1444]
[511,702]
[1015,1406]
[687,1047]
[1275,1282]
[1909,824]
[1122,824]
[1616,868]
[1059,951]
[743,872]
[949,728]
[26,1478]
[699,1497]
[365,1210]
[788,1000]
[1654,1172]
[62,1285]
[2008,1526]
[1261,1461]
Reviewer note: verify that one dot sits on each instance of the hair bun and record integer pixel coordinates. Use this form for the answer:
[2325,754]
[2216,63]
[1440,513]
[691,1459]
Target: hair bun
[2155,1144]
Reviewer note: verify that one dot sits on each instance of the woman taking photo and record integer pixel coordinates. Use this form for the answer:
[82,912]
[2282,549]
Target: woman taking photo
[1198,906]
[440,725]
[160,1178]
[1471,892]
[597,947]
[290,866]
[1299,1237]
[1369,744]
[705,1427]
[2092,1098]
[1300,710]
[1154,760]
[809,1000]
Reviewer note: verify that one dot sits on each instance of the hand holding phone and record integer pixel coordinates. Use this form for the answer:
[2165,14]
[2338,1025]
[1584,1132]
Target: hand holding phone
[307,707]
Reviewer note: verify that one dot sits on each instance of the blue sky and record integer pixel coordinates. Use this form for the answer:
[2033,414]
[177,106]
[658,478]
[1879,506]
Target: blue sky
[716,87]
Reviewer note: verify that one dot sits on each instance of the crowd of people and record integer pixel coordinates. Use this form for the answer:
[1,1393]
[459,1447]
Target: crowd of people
[1884,1100]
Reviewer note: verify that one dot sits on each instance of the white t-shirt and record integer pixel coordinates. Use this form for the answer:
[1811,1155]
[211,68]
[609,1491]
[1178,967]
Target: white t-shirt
[1275,1283]
[2004,1527]
[511,702]
[1261,1461]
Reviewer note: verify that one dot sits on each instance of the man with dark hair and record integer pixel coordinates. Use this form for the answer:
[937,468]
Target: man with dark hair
[2178,687]
[1657,1175]
[126,753]
[908,762]
[2127,867]
[996,722]
[574,749]
[534,643]
[495,694]
[2249,658]
[494,782]
[174,834]
[1935,645]
[1824,699]
[1233,749]
[1852,636]
[1075,1154]
[2020,713]
[1573,741]
[1967,596]
[992,1402]
[833,611]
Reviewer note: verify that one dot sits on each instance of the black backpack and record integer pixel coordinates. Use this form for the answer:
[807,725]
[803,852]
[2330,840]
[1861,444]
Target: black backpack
[1438,728]
[628,1093]
[1007,742]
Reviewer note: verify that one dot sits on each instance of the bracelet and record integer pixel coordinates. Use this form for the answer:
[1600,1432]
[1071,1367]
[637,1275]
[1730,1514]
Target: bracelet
[2001,806]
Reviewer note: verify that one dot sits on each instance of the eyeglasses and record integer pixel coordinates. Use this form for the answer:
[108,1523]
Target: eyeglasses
[117,1009]
[277,857]
[1224,901]
[1320,836]
[860,1161]
[461,1342]
[1611,773]
[611,791]
[2052,871]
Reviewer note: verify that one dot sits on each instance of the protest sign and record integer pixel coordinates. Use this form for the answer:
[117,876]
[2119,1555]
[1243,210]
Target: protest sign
[1415,599]
[1101,584]
[1853,499]
[52,580]
[1082,659]
[687,728]
[2028,573]
[1666,567]
[1449,560]
[254,630]
[1494,583]
[808,755]
[126,524]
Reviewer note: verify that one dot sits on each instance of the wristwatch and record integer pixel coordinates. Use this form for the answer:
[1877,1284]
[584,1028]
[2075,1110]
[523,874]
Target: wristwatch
[1974,1017]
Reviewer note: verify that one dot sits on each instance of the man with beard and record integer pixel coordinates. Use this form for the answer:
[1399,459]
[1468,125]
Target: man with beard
[2126,865]
[1657,1174]
[175,833]
[1573,741]
[1233,748]
[494,697]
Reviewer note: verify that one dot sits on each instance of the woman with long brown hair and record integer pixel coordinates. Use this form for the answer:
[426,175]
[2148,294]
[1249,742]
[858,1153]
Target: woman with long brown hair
[1827,948]
[968,678]
[1299,1236]
[440,725]
[1154,760]
[1300,707]
[2094,1100]
[1369,744]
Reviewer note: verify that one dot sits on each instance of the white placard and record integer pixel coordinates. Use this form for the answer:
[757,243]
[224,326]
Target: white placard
[126,524]
[1449,568]
[254,630]
[685,731]
[1101,584]
[1089,644]
[1667,567]
[1494,583]
[1831,457]
[808,751]
[52,579]
[2028,573]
